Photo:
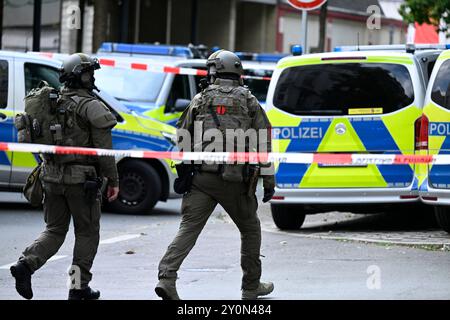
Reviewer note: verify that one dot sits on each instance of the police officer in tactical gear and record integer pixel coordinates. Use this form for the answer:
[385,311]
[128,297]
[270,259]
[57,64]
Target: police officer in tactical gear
[224,104]
[72,183]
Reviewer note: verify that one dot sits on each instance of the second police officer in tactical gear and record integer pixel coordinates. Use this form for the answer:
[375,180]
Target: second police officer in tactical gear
[224,104]
[72,182]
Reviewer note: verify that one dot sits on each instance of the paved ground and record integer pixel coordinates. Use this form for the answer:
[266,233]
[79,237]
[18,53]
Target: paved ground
[307,264]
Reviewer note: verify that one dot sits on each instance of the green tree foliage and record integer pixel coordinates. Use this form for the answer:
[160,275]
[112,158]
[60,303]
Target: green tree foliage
[427,11]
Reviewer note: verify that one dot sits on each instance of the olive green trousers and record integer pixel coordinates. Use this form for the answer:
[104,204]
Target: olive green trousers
[207,191]
[62,202]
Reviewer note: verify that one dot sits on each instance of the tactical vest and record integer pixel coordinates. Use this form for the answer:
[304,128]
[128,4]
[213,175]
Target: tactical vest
[225,107]
[53,118]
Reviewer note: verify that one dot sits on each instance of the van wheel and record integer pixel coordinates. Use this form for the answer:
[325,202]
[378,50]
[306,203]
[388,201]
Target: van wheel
[443,217]
[140,188]
[287,216]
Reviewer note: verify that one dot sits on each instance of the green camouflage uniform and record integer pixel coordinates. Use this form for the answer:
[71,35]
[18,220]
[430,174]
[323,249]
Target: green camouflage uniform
[87,123]
[211,188]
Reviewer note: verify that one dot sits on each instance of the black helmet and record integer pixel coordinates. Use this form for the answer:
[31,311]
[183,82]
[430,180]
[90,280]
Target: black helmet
[78,69]
[224,62]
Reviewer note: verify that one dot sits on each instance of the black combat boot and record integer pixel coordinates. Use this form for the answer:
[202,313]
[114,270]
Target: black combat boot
[22,274]
[84,294]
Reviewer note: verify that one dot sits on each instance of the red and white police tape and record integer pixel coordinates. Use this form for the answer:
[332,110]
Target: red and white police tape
[108,62]
[163,69]
[230,157]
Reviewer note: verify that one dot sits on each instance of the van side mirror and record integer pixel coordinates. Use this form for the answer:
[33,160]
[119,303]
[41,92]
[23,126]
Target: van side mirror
[181,105]
[2,116]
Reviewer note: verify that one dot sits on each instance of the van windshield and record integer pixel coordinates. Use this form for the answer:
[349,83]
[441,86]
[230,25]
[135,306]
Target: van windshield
[130,85]
[337,89]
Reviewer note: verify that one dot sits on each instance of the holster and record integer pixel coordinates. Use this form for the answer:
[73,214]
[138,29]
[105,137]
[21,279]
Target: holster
[92,186]
[251,174]
[183,182]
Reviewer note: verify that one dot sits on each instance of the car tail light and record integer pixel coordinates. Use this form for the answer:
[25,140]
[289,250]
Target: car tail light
[421,133]
[430,198]
[277,198]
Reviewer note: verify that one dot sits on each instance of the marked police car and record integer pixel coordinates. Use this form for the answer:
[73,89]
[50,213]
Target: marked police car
[163,96]
[435,131]
[142,182]
[359,100]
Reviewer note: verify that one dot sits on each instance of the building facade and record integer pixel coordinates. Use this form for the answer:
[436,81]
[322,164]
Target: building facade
[241,25]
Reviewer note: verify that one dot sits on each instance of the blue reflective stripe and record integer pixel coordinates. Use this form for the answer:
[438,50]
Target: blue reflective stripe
[439,175]
[4,160]
[375,137]
[293,173]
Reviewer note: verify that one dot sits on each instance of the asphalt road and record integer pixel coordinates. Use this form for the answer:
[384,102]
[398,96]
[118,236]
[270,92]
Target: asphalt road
[336,256]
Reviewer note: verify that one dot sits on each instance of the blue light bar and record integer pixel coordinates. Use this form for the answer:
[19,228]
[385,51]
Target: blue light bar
[269,57]
[297,50]
[150,49]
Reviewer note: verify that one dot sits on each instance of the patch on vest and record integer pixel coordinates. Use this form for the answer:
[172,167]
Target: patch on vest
[221,110]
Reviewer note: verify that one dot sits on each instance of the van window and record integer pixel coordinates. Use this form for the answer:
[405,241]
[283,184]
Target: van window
[35,73]
[180,90]
[333,89]
[440,92]
[3,84]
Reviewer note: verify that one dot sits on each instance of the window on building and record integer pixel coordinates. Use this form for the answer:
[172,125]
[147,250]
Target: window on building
[3,84]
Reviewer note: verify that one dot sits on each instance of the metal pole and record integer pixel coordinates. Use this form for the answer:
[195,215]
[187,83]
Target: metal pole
[194,22]
[169,21]
[305,31]
[37,25]
[81,4]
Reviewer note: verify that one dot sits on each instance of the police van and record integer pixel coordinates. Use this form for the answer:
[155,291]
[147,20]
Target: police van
[142,182]
[435,137]
[357,100]
[164,96]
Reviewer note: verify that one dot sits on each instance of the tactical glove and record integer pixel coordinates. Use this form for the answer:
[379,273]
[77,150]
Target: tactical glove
[268,194]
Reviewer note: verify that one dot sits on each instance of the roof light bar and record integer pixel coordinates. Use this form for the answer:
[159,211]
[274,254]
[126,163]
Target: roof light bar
[150,49]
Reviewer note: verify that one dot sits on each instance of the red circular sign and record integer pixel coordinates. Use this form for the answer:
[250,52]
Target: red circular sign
[306,4]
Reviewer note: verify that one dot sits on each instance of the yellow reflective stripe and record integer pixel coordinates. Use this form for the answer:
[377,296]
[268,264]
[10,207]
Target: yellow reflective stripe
[280,119]
[369,177]
[23,160]
[401,126]
[347,142]
[144,125]
[370,59]
[159,114]
[421,170]
[444,55]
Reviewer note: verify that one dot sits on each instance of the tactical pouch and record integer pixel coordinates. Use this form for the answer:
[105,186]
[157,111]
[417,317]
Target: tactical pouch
[233,172]
[185,173]
[75,174]
[33,190]
[24,128]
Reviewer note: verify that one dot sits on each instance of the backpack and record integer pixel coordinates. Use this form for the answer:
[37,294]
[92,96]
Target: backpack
[40,123]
